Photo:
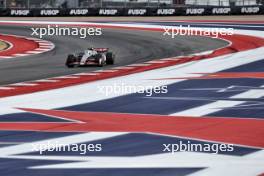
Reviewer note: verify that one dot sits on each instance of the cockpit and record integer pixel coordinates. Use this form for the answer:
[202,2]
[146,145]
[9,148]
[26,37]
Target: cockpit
[89,52]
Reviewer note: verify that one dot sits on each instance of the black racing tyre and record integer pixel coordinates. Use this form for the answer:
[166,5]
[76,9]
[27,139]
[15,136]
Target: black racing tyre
[70,60]
[110,58]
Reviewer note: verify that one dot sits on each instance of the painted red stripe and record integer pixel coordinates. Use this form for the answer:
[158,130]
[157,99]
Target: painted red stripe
[240,131]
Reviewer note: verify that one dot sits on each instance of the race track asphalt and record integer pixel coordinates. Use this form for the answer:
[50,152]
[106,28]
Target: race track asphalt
[130,47]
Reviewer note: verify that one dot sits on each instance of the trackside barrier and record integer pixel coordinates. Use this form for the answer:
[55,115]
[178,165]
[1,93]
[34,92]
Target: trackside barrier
[179,11]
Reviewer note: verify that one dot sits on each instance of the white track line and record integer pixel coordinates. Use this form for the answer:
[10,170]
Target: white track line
[6,88]
[138,65]
[33,52]
[86,74]
[67,77]
[20,55]
[47,80]
[123,68]
[24,84]
[156,62]
[105,71]
[170,59]
[5,57]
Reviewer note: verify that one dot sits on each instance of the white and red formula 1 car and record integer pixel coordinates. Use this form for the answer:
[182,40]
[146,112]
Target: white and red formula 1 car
[91,56]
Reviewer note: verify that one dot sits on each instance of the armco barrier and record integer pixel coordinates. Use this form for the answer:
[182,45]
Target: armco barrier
[178,11]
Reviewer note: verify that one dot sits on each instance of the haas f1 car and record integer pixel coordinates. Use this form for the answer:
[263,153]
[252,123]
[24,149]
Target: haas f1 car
[91,56]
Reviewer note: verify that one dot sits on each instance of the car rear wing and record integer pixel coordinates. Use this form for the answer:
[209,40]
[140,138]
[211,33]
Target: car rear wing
[101,50]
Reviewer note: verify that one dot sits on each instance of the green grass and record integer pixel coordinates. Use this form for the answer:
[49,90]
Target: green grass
[3,45]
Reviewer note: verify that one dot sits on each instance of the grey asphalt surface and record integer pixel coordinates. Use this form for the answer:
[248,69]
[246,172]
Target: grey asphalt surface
[130,47]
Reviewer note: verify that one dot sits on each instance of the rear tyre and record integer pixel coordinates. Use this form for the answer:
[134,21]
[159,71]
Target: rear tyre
[110,58]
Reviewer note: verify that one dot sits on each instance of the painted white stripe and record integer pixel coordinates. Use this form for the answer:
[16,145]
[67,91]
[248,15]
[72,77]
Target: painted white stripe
[24,84]
[164,160]
[6,57]
[42,49]
[123,68]
[6,88]
[67,77]
[44,43]
[170,59]
[155,62]
[105,71]
[35,39]
[20,55]
[47,80]
[87,74]
[46,47]
[202,53]
[138,65]
[33,52]
[253,93]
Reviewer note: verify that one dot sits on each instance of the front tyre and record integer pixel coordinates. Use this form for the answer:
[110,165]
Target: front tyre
[70,60]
